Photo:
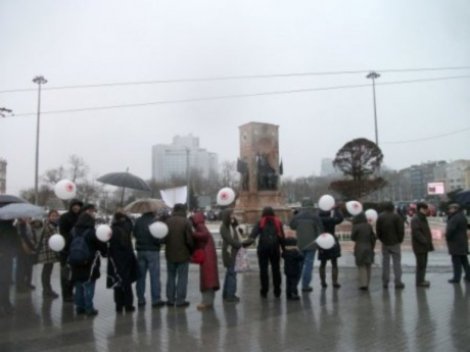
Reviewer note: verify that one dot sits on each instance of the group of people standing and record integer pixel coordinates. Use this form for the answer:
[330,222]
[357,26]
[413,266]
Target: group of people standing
[296,244]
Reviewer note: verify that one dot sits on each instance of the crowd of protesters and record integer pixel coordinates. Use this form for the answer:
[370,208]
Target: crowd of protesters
[133,252]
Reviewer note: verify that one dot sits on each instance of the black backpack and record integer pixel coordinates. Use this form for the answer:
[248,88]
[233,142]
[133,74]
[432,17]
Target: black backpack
[268,237]
[79,251]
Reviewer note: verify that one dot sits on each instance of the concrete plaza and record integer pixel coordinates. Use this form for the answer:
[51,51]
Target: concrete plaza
[347,319]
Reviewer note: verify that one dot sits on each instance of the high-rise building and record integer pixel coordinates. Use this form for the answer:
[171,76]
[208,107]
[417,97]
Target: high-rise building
[173,160]
[3,176]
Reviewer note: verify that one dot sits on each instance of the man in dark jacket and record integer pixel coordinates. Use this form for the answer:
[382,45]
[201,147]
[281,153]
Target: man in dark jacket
[179,245]
[8,247]
[308,227]
[421,240]
[457,242]
[85,275]
[148,258]
[391,231]
[66,222]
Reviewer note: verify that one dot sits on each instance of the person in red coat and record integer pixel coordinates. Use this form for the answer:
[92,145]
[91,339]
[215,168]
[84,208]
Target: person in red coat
[209,275]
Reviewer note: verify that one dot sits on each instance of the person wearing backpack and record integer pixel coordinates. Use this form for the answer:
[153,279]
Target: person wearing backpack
[270,231]
[84,260]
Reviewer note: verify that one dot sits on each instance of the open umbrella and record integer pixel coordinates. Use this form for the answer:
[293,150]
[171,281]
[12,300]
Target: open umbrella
[20,210]
[124,180]
[146,205]
[8,199]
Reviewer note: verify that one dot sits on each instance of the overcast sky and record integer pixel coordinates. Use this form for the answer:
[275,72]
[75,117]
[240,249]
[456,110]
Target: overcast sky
[95,42]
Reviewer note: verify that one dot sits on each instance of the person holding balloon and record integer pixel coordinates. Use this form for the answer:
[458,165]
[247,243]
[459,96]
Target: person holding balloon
[122,263]
[364,243]
[84,276]
[330,218]
[66,222]
[46,255]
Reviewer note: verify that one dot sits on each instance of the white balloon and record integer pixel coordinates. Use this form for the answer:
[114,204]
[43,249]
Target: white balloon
[354,207]
[65,189]
[56,242]
[371,215]
[326,202]
[225,196]
[104,233]
[158,229]
[325,241]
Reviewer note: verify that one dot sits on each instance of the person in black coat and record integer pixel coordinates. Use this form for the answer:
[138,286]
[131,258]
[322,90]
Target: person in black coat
[8,247]
[122,263]
[293,259]
[457,242]
[66,222]
[84,276]
[329,221]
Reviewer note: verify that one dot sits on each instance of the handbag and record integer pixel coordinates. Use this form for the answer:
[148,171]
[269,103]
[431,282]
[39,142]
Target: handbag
[198,256]
[242,263]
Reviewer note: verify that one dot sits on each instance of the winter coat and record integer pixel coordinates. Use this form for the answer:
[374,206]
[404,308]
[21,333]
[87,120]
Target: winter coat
[66,222]
[91,271]
[258,230]
[308,227]
[144,241]
[364,240]
[390,228]
[329,220]
[122,262]
[45,253]
[421,238]
[209,275]
[230,244]
[292,257]
[8,248]
[456,234]
[179,241]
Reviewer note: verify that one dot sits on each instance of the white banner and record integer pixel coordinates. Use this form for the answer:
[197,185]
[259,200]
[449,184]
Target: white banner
[172,196]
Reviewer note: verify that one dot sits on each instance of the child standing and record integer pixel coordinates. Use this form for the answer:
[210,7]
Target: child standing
[292,264]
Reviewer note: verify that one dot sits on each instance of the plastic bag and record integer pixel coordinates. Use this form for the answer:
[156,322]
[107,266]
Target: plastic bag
[242,263]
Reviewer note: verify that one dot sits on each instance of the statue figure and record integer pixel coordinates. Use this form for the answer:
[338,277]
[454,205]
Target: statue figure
[267,178]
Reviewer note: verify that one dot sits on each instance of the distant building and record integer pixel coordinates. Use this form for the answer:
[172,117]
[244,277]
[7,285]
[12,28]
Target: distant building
[173,160]
[456,175]
[413,180]
[3,176]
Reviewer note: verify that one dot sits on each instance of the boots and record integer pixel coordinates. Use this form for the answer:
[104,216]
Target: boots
[323,277]
[334,274]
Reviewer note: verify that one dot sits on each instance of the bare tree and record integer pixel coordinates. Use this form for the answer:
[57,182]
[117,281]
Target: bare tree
[78,169]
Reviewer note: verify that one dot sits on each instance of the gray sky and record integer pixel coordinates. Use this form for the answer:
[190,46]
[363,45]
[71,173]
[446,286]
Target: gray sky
[94,42]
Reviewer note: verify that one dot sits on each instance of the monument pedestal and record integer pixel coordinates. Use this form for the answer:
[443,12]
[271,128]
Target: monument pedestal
[249,206]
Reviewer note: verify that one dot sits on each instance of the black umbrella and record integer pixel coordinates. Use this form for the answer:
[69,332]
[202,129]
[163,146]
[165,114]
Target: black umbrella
[6,199]
[124,180]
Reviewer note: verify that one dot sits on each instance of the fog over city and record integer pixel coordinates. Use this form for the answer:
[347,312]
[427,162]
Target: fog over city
[206,67]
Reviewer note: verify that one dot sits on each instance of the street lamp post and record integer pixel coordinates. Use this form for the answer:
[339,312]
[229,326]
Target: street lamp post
[374,75]
[39,80]
[188,180]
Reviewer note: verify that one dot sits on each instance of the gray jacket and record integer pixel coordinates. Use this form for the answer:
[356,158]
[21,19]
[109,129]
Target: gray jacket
[308,226]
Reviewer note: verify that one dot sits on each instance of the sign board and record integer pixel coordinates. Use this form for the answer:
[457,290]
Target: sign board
[436,188]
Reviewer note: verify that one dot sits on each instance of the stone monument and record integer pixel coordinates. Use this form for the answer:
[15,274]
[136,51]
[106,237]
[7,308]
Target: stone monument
[260,172]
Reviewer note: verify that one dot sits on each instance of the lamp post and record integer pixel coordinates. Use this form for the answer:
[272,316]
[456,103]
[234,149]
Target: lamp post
[39,80]
[374,75]
[188,180]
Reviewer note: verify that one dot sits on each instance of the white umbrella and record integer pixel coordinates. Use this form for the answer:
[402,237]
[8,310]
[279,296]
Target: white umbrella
[21,210]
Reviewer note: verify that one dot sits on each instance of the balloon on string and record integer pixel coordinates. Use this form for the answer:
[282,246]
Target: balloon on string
[354,207]
[225,196]
[104,232]
[326,202]
[158,229]
[56,242]
[65,189]
[325,241]
[371,215]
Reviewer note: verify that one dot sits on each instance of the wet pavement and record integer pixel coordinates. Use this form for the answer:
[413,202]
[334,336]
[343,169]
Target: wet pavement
[347,319]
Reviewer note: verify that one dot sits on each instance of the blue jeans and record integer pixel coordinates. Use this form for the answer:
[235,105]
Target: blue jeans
[148,260]
[230,283]
[177,282]
[84,293]
[307,267]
